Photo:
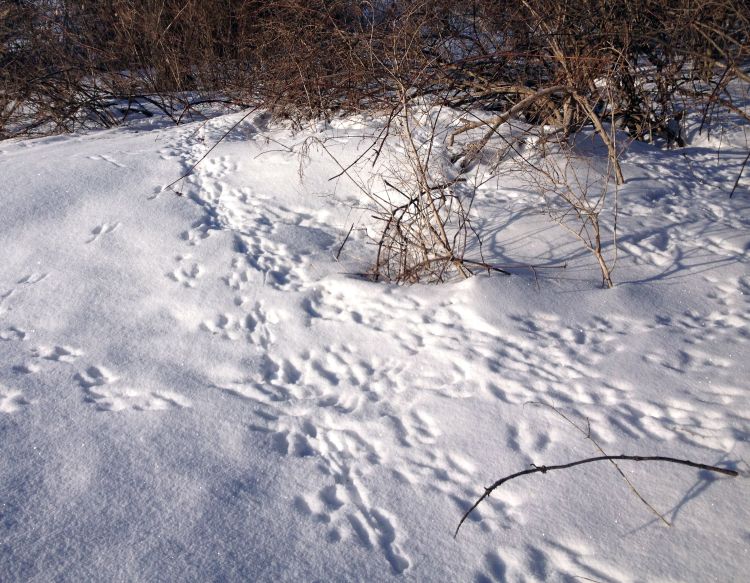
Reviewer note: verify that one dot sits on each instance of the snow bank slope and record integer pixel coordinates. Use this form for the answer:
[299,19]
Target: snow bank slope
[191,388]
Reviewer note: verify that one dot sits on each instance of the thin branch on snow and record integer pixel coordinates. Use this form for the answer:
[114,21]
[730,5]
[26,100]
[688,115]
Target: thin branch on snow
[544,469]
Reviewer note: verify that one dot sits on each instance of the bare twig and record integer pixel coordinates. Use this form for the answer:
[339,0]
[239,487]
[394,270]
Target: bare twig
[587,435]
[739,175]
[341,247]
[211,149]
[544,469]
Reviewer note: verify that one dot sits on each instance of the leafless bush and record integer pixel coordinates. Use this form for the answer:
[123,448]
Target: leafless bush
[560,66]
[580,198]
[66,65]
[637,61]
[426,228]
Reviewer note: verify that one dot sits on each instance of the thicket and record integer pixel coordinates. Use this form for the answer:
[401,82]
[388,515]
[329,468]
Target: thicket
[558,67]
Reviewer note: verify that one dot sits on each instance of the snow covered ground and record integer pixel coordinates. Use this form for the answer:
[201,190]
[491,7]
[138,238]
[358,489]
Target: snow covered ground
[192,388]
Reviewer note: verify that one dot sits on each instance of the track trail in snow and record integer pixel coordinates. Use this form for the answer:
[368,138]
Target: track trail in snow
[364,384]
[698,225]
[335,405]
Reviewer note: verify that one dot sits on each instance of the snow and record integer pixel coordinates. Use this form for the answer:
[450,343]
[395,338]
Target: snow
[193,388]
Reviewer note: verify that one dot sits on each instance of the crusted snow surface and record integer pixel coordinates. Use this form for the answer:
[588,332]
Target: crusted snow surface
[193,388]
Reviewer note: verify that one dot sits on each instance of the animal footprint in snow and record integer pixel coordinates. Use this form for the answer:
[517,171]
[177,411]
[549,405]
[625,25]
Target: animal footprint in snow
[57,353]
[186,273]
[217,168]
[108,159]
[199,231]
[11,400]
[97,383]
[4,296]
[28,368]
[33,278]
[123,398]
[414,429]
[656,250]
[289,436]
[345,501]
[342,400]
[293,443]
[12,333]
[257,325]
[101,230]
[254,326]
[223,325]
[524,439]
[337,505]
[94,377]
[423,428]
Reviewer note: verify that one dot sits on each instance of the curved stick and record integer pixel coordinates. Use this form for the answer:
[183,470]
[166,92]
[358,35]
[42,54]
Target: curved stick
[545,469]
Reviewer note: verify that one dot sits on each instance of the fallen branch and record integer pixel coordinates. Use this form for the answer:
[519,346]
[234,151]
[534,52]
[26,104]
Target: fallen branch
[737,182]
[341,248]
[545,469]
[211,149]
[587,435]
[494,123]
[503,268]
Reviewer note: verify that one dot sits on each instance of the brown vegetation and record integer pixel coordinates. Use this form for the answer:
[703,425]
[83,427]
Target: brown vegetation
[561,66]
[636,61]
